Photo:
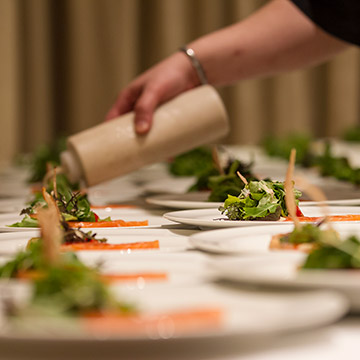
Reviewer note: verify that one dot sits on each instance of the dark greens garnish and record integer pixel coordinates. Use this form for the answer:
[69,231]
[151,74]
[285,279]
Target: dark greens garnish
[338,167]
[44,155]
[192,163]
[345,255]
[307,233]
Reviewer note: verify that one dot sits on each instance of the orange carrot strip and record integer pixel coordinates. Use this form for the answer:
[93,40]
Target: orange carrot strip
[104,246]
[134,277]
[350,217]
[36,274]
[186,321]
[114,206]
[30,274]
[112,223]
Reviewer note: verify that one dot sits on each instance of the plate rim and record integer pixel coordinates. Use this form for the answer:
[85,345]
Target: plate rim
[174,216]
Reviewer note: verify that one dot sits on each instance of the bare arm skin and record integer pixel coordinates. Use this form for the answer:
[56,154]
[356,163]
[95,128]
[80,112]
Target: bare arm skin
[277,38]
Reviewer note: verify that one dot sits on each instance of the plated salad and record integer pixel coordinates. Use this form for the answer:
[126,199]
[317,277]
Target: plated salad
[262,200]
[74,207]
[325,247]
[267,200]
[327,164]
[218,177]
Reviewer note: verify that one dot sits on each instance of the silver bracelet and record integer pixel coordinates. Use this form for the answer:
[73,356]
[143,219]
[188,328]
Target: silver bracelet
[195,63]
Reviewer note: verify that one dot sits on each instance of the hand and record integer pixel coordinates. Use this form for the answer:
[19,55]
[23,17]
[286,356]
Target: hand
[160,83]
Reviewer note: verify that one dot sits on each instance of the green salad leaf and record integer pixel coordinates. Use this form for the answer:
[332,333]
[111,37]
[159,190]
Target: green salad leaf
[32,259]
[63,185]
[229,183]
[222,185]
[73,206]
[192,163]
[281,147]
[307,233]
[259,200]
[73,290]
[202,181]
[43,155]
[329,251]
[337,166]
[27,221]
[327,256]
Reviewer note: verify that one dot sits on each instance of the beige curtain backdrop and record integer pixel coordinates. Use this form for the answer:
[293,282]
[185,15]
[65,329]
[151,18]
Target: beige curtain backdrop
[63,62]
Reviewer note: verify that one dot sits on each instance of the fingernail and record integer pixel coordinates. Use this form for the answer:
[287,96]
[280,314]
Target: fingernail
[142,127]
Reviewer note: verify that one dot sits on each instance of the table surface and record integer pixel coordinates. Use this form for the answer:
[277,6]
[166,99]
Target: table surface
[339,340]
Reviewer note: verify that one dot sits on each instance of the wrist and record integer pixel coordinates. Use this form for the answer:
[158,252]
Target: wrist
[188,70]
[195,63]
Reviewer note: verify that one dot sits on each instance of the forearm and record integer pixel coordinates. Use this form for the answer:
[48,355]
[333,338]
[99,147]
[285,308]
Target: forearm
[279,37]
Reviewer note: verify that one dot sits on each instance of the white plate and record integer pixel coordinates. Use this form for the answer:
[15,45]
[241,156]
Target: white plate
[213,218]
[170,185]
[245,315]
[198,200]
[186,268]
[14,173]
[254,240]
[11,188]
[13,242]
[112,192]
[149,173]
[281,269]
[340,202]
[12,205]
[154,220]
[191,200]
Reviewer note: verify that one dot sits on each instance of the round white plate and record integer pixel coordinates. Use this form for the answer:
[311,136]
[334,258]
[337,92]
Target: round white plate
[340,202]
[191,200]
[184,268]
[254,240]
[112,192]
[336,192]
[14,189]
[198,200]
[14,173]
[149,173]
[282,269]
[173,268]
[244,315]
[170,185]
[153,220]
[12,242]
[213,218]
[12,205]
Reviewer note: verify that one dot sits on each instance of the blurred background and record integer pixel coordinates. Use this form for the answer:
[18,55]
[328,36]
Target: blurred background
[63,63]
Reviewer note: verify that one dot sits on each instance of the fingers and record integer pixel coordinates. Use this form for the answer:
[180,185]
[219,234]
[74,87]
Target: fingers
[142,101]
[144,110]
[125,102]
